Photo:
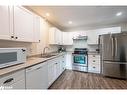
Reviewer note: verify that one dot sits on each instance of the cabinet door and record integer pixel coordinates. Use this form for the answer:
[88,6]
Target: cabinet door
[14,80]
[5,32]
[58,37]
[67,38]
[52,39]
[36,77]
[23,24]
[110,30]
[36,28]
[69,60]
[19,84]
[51,71]
[92,37]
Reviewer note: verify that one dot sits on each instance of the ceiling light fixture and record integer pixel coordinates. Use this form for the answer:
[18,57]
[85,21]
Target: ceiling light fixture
[47,14]
[119,14]
[69,22]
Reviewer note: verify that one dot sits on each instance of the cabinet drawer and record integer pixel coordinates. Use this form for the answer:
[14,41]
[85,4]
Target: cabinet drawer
[93,62]
[94,68]
[12,78]
[94,56]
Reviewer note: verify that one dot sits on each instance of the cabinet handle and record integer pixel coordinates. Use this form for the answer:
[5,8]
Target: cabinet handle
[16,37]
[8,81]
[38,68]
[23,50]
[93,55]
[56,63]
[94,67]
[12,36]
[93,60]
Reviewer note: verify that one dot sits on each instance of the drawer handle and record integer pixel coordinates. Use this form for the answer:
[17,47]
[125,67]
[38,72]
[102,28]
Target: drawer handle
[93,55]
[94,67]
[8,81]
[38,68]
[56,63]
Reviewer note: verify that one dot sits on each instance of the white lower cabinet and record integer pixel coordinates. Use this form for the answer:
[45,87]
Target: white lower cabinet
[15,80]
[51,71]
[36,76]
[94,63]
[55,68]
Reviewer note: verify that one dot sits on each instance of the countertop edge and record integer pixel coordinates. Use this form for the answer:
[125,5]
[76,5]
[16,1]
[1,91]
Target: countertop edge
[30,62]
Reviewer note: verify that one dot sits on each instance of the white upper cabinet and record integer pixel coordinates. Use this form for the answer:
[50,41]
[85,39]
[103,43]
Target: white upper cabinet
[94,34]
[55,36]
[92,37]
[37,28]
[5,32]
[19,24]
[67,38]
[23,24]
[111,30]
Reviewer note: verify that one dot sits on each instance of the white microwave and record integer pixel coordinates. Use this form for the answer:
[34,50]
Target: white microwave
[12,56]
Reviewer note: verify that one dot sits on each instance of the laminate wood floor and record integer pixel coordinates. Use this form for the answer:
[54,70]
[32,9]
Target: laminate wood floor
[79,80]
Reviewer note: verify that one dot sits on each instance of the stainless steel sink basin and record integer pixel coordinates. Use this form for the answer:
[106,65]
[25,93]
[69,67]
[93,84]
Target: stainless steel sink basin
[48,55]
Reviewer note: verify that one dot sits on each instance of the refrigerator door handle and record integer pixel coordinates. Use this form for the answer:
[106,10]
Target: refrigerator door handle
[112,46]
[116,46]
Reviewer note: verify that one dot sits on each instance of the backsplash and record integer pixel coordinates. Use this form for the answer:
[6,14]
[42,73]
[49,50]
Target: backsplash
[81,44]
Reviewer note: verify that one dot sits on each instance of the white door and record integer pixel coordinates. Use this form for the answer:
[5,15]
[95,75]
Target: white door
[69,60]
[51,71]
[23,24]
[67,38]
[36,77]
[4,23]
[36,28]
[92,37]
[52,36]
[19,84]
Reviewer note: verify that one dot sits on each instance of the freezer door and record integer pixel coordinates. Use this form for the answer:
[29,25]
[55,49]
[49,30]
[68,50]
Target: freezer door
[115,69]
[107,47]
[120,53]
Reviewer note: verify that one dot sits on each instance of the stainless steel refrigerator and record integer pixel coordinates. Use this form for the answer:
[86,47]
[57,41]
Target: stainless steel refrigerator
[113,49]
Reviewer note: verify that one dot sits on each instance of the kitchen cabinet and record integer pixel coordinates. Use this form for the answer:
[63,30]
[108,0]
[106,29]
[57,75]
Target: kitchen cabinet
[52,71]
[37,76]
[67,38]
[55,68]
[23,24]
[92,37]
[5,32]
[94,63]
[55,36]
[94,34]
[19,24]
[36,28]
[69,60]
[111,30]
[15,80]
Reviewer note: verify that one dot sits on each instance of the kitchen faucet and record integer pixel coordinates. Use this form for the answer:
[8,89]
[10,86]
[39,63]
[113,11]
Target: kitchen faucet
[44,50]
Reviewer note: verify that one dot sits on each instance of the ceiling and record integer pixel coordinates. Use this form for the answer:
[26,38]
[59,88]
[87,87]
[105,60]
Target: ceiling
[82,17]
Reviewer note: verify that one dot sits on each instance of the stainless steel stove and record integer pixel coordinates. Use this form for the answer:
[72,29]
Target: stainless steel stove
[79,59]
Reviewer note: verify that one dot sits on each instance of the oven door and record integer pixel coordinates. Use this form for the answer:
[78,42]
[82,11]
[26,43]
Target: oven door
[80,59]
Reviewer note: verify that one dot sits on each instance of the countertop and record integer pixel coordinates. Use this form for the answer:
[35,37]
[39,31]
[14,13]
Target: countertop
[30,62]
